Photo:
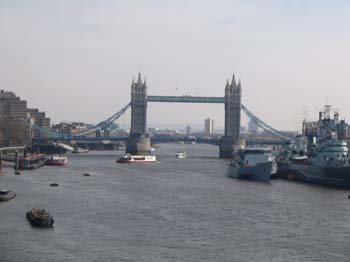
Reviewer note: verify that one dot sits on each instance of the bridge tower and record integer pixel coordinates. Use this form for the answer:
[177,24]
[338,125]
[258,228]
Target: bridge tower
[230,140]
[138,143]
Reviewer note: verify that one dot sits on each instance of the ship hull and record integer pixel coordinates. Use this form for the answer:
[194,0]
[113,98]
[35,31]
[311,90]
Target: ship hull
[332,176]
[258,172]
[49,163]
[121,161]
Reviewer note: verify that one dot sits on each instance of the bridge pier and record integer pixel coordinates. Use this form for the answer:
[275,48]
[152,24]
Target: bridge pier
[138,143]
[229,143]
[227,147]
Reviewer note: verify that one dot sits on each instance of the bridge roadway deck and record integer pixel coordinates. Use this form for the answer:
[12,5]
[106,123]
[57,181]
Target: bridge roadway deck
[87,139]
[104,140]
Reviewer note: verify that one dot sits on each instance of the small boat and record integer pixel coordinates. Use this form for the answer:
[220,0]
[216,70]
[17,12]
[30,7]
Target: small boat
[180,154]
[79,150]
[56,160]
[40,218]
[137,159]
[6,195]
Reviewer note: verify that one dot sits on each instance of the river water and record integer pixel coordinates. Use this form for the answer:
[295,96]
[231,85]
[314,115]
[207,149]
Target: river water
[176,210]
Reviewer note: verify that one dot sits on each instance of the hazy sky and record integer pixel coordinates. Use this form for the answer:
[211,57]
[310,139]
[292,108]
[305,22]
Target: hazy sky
[76,59]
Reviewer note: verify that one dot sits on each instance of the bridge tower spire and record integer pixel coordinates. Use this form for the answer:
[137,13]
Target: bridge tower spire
[230,140]
[138,142]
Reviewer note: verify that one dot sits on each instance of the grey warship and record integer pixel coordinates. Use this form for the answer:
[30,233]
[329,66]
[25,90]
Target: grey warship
[326,153]
[253,164]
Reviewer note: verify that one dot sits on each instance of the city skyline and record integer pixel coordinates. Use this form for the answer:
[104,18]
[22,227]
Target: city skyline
[76,60]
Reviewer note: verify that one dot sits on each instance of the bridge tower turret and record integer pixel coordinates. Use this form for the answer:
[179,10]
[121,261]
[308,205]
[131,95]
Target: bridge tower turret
[138,107]
[233,94]
[138,142]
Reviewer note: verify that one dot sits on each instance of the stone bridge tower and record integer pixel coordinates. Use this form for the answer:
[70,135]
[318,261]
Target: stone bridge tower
[138,143]
[230,141]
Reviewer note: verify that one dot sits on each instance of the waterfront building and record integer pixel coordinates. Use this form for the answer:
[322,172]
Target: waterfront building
[16,119]
[11,106]
[39,119]
[72,129]
[209,126]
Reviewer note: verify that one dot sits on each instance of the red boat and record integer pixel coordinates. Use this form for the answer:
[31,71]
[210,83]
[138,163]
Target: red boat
[56,160]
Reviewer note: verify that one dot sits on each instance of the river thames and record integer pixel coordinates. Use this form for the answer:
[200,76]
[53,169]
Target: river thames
[176,210]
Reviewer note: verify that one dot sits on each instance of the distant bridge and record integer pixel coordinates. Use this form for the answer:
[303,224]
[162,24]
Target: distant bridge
[175,99]
[155,140]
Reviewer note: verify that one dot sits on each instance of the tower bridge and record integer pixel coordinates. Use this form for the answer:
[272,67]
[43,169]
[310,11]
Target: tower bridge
[139,143]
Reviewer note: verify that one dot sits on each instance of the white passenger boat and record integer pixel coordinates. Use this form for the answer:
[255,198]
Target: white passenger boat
[137,159]
[79,150]
[180,154]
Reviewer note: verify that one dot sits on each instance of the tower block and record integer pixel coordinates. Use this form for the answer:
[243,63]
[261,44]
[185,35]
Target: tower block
[230,141]
[138,143]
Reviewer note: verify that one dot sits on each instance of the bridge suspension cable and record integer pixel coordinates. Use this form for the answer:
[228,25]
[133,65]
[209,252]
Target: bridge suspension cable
[265,126]
[100,125]
[106,122]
